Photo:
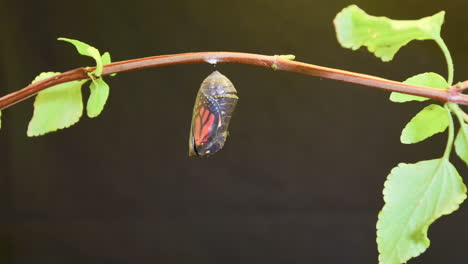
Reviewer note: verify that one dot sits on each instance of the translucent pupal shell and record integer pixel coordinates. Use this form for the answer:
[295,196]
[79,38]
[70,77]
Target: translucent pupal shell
[214,105]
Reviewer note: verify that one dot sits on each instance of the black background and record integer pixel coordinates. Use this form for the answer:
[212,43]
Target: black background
[299,180]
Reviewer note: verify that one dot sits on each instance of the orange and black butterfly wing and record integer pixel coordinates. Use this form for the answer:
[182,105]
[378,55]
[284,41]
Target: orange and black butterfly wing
[206,120]
[212,113]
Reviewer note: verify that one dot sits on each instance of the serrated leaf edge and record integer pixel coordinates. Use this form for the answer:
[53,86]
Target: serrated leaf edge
[58,128]
[456,204]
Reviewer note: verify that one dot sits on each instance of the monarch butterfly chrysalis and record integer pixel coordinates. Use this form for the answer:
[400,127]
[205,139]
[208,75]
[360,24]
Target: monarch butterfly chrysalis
[215,102]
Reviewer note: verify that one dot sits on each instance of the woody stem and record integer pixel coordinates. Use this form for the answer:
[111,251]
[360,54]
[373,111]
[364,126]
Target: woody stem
[275,62]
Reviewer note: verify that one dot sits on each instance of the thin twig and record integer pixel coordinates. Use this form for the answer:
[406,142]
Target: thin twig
[274,62]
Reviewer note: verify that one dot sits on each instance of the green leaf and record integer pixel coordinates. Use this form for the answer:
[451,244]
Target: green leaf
[57,107]
[106,59]
[431,120]
[81,47]
[87,50]
[415,196]
[428,79]
[383,36]
[461,143]
[97,98]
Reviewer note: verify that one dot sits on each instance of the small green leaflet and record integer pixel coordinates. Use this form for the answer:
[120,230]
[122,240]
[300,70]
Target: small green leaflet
[57,107]
[383,36]
[98,97]
[106,59]
[99,92]
[428,79]
[284,57]
[461,142]
[415,196]
[87,50]
[287,57]
[431,120]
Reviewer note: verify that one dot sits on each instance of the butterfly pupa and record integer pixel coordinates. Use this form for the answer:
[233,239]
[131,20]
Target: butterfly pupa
[214,105]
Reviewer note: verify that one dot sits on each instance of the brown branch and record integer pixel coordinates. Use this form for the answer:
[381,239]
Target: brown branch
[460,87]
[275,62]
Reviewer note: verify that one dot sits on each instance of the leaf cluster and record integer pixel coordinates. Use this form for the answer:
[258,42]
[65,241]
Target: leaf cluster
[61,106]
[416,194]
